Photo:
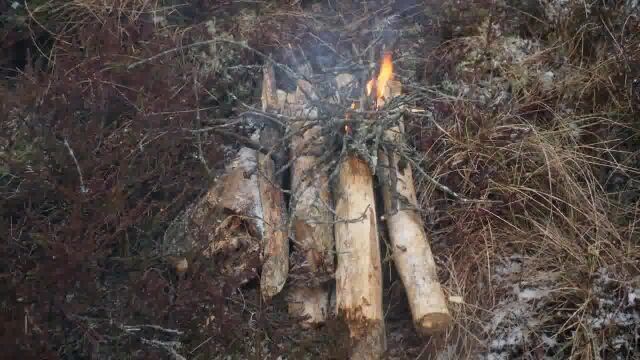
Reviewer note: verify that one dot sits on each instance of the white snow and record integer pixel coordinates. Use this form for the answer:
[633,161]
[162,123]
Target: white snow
[533,294]
[513,338]
[247,160]
[515,320]
[549,341]
[519,318]
[632,296]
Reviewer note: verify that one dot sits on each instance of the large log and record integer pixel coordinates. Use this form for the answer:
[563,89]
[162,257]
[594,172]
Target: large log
[275,267]
[410,245]
[224,222]
[312,227]
[359,274]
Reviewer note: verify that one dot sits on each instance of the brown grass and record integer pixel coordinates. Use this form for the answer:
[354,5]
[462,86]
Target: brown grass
[559,164]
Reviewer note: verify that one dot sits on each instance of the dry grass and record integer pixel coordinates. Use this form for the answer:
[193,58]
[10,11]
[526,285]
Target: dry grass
[559,163]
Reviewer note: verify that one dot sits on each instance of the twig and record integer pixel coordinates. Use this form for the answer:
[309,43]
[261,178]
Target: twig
[83,189]
[203,160]
[135,328]
[442,187]
[213,41]
[169,346]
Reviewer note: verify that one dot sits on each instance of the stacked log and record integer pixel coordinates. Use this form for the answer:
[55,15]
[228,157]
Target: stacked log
[251,191]
[359,272]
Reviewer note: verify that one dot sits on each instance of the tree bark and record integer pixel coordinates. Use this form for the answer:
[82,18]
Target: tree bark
[225,222]
[358,275]
[311,203]
[312,225]
[410,245]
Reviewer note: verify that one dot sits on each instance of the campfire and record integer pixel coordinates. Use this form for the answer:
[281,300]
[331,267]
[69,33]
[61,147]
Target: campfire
[354,229]
[333,267]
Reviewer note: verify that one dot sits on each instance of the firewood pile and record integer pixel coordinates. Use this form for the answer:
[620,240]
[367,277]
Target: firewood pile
[312,209]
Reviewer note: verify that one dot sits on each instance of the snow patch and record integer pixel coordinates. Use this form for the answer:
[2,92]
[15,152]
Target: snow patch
[615,309]
[557,9]
[247,159]
[515,321]
[533,294]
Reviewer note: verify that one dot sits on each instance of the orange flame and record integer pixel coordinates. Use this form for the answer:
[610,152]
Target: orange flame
[386,74]
[370,84]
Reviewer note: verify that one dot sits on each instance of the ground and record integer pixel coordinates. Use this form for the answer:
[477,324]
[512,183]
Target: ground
[529,114]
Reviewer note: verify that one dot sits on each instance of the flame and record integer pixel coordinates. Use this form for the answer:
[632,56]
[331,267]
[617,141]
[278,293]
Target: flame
[370,84]
[347,128]
[386,74]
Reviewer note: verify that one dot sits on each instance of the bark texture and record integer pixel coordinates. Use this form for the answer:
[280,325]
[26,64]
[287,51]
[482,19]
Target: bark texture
[225,222]
[410,245]
[275,267]
[359,275]
[311,204]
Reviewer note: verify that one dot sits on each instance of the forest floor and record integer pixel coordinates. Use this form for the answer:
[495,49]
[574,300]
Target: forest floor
[531,114]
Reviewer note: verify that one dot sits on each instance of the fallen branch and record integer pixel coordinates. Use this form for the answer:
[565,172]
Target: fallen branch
[83,189]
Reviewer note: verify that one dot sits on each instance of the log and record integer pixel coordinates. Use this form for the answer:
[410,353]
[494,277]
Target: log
[312,228]
[224,222]
[275,266]
[359,274]
[411,252]
[275,253]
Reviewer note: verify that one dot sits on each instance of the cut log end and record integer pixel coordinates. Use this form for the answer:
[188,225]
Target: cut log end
[434,323]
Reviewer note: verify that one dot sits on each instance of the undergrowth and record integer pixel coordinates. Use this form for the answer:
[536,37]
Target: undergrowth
[542,131]
[96,158]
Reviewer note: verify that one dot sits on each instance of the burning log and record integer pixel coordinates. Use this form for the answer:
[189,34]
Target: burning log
[410,245]
[311,214]
[359,269]
[275,267]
